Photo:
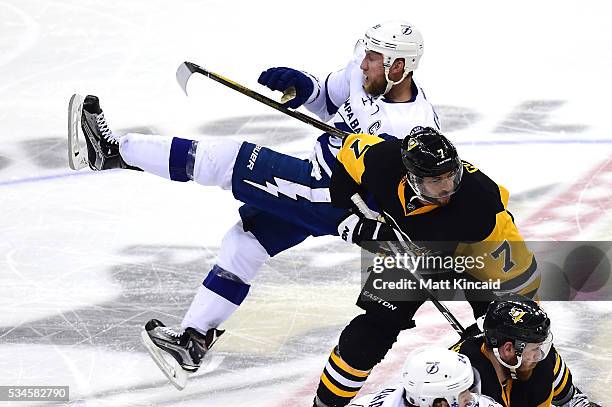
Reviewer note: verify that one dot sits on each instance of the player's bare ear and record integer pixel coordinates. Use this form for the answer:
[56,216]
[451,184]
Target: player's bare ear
[398,66]
[507,348]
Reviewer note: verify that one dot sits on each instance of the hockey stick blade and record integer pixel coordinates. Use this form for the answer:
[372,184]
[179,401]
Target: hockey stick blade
[183,73]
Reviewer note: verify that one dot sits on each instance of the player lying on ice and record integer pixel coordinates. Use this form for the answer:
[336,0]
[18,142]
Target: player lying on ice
[512,364]
[287,198]
[518,364]
[432,377]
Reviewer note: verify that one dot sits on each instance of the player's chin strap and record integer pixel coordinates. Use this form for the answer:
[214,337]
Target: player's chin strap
[511,367]
[390,83]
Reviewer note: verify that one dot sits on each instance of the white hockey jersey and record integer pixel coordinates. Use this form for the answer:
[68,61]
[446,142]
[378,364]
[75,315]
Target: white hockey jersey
[394,397]
[341,97]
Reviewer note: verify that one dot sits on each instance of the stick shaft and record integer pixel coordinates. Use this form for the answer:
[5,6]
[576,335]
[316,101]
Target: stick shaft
[187,68]
[454,322]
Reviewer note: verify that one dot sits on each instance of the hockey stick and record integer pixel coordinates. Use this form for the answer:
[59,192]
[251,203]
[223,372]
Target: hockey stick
[186,69]
[454,322]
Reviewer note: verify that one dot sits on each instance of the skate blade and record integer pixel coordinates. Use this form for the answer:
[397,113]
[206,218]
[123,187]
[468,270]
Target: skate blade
[77,149]
[169,367]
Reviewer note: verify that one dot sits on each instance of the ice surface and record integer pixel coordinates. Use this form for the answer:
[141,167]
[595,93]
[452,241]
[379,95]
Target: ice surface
[86,258]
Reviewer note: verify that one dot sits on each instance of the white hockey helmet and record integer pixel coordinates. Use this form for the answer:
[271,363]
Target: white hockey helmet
[395,39]
[438,373]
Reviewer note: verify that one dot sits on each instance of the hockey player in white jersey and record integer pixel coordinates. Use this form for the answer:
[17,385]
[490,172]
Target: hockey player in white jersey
[432,377]
[286,198]
[374,94]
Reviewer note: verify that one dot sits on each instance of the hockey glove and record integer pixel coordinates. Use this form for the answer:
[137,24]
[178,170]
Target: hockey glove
[282,78]
[358,229]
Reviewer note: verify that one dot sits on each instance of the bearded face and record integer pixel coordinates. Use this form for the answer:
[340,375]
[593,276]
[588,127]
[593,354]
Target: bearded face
[373,70]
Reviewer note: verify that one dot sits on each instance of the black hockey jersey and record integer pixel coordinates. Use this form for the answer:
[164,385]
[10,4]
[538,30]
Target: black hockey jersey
[475,221]
[550,383]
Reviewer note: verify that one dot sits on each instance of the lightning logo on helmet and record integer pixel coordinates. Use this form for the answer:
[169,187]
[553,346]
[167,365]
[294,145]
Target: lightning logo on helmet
[406,29]
[432,367]
[517,315]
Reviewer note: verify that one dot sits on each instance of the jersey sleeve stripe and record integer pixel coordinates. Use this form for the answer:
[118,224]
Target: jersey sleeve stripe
[560,373]
[522,280]
[562,386]
[557,364]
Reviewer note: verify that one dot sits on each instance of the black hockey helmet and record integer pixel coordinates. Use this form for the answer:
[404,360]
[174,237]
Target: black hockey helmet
[520,321]
[427,153]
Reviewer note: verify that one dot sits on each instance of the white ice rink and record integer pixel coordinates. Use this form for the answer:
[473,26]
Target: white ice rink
[86,258]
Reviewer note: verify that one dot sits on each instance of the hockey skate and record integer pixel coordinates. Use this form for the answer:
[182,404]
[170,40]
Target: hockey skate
[177,354]
[90,140]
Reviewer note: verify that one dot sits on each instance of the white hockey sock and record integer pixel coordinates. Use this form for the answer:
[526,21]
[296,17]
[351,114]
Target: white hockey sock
[214,163]
[149,152]
[168,157]
[207,310]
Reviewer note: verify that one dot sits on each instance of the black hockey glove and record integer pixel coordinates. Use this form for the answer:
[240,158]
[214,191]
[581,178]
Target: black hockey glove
[356,228]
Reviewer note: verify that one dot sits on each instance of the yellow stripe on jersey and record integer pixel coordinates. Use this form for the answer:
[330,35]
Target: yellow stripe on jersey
[562,385]
[530,290]
[352,153]
[557,364]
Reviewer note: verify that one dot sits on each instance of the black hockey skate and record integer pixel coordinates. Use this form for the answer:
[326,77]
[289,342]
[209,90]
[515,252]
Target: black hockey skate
[90,140]
[177,354]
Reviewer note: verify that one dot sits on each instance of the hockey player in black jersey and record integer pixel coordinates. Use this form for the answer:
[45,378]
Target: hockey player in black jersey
[517,362]
[425,193]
